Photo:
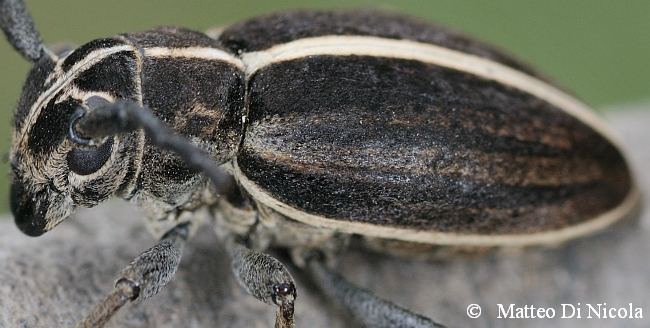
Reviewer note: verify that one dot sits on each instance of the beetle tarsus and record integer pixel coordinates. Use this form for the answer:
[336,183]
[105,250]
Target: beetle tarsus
[371,310]
[284,295]
[145,276]
[265,278]
[124,291]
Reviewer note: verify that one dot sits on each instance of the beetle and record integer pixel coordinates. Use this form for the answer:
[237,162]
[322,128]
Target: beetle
[307,131]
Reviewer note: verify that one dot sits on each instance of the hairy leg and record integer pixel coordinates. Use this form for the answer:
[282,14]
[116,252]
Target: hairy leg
[144,277]
[367,307]
[265,278]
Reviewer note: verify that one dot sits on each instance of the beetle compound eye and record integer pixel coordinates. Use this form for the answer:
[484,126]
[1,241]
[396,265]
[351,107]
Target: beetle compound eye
[84,162]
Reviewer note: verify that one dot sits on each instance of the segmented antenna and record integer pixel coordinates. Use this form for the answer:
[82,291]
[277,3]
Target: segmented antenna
[20,30]
[125,116]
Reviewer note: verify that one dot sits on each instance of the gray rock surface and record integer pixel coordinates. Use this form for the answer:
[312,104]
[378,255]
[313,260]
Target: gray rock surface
[54,280]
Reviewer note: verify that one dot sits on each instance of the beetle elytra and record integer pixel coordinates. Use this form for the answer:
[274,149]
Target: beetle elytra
[301,131]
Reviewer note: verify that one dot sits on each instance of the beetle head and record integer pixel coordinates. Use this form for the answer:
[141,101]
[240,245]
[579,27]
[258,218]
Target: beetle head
[54,170]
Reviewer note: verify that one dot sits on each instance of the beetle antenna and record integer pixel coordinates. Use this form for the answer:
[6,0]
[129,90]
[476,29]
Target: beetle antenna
[125,116]
[20,30]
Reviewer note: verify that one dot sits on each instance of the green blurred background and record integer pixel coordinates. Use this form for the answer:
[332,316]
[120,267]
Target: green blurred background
[599,49]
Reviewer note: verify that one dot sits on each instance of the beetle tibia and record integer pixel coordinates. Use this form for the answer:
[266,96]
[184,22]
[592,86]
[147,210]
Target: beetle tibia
[367,307]
[145,276]
[265,278]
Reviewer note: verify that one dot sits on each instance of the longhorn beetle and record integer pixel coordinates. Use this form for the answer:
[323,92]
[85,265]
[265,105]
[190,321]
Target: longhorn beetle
[306,131]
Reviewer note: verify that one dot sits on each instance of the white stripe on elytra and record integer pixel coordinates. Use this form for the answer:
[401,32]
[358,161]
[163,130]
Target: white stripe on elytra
[436,55]
[431,54]
[548,238]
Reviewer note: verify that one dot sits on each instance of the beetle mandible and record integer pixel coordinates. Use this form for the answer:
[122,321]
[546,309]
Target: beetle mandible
[303,130]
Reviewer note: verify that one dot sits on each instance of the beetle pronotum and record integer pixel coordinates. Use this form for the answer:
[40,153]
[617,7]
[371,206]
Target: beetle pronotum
[314,128]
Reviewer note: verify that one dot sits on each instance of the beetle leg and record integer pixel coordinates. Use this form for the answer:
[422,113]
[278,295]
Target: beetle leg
[144,277]
[367,307]
[264,277]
